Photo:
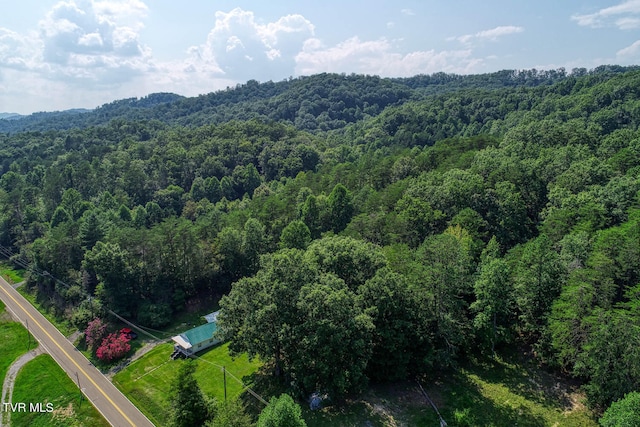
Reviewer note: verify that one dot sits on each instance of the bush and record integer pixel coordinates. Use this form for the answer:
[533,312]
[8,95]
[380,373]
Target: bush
[96,330]
[114,346]
[154,315]
[623,413]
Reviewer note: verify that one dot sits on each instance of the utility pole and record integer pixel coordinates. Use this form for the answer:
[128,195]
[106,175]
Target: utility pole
[28,335]
[78,380]
[224,376]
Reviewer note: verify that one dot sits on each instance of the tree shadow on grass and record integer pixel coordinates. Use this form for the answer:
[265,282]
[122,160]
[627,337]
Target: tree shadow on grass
[530,382]
[465,405]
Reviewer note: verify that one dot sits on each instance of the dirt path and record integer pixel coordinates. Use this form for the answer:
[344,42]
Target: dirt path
[17,285]
[9,381]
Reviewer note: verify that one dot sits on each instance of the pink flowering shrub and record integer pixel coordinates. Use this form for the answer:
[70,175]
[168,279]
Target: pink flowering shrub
[95,332]
[113,347]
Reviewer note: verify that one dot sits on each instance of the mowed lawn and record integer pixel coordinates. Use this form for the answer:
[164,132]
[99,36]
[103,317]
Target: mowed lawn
[147,381]
[42,381]
[14,341]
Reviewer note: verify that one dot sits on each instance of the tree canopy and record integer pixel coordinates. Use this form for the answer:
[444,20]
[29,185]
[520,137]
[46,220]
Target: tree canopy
[383,226]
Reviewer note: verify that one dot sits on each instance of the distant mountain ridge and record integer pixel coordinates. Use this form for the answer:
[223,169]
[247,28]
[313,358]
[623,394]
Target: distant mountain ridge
[313,103]
[10,116]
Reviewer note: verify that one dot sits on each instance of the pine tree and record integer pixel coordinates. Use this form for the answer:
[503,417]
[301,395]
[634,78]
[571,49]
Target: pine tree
[189,406]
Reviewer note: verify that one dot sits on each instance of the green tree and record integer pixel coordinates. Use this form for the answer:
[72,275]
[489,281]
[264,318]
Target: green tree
[539,279]
[229,247]
[310,215]
[253,244]
[60,215]
[189,406]
[610,356]
[124,213]
[281,412]
[354,261]
[624,412]
[443,289]
[258,314]
[72,202]
[569,317]
[387,299]
[305,320]
[331,343]
[493,294]
[340,208]
[198,189]
[511,222]
[417,219]
[112,266]
[295,235]
[91,229]
[231,413]
[212,189]
[139,217]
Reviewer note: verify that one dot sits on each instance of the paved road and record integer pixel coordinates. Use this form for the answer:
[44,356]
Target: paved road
[107,399]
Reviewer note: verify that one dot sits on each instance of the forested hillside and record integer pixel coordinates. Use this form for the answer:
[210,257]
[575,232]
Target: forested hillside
[358,229]
[320,102]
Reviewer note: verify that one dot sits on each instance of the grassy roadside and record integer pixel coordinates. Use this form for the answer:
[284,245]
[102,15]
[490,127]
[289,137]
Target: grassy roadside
[43,381]
[10,273]
[61,324]
[14,341]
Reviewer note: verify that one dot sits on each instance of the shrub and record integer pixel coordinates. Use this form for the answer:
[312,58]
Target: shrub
[113,347]
[96,330]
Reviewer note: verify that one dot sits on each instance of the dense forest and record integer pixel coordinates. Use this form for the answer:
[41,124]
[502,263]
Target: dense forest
[356,228]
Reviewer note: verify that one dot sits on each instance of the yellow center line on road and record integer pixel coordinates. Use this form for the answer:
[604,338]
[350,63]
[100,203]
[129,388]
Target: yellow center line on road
[69,357]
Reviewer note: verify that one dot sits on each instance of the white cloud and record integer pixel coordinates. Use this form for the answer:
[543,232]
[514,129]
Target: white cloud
[492,34]
[124,12]
[242,48]
[96,40]
[604,16]
[17,51]
[93,39]
[628,23]
[408,12]
[632,50]
[377,57]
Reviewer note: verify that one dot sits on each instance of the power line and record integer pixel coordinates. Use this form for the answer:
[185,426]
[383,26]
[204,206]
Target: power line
[443,423]
[28,266]
[17,259]
[245,387]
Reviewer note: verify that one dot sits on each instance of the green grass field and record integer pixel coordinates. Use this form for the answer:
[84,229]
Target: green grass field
[491,394]
[43,381]
[14,341]
[147,381]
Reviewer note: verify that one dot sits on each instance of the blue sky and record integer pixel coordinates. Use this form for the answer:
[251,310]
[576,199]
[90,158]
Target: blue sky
[82,53]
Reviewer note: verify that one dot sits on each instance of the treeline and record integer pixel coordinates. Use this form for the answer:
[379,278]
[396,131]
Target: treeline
[451,225]
[314,103]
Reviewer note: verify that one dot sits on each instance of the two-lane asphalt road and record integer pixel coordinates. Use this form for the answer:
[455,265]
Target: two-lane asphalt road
[109,401]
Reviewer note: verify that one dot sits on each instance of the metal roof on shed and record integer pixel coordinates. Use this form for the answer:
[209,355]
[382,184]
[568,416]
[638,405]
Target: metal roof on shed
[200,334]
